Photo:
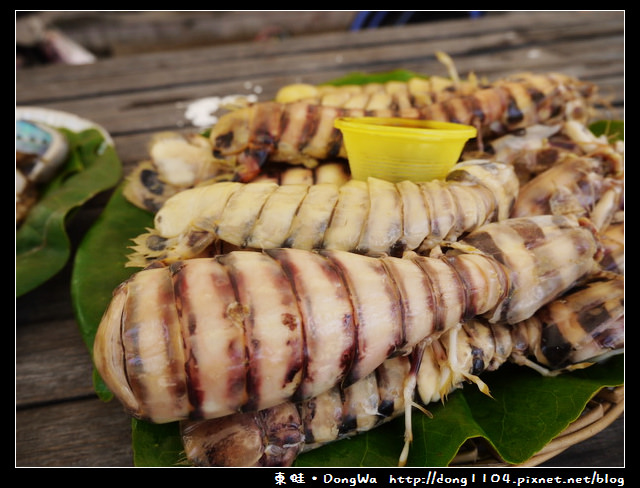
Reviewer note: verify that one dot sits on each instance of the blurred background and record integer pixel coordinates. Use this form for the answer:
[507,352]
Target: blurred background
[79,37]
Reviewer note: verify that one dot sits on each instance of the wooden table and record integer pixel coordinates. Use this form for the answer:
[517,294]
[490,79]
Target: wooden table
[59,420]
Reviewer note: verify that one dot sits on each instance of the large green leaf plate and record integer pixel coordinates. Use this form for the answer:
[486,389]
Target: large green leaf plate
[92,166]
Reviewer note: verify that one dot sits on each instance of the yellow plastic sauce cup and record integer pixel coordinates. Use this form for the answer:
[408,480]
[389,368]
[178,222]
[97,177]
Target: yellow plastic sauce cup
[397,149]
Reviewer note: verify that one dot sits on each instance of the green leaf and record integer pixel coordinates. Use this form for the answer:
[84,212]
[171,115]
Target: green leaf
[42,243]
[99,265]
[613,129]
[528,406]
[358,78]
[156,445]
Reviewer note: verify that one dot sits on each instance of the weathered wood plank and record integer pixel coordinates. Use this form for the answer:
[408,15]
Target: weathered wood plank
[80,433]
[541,27]
[52,363]
[164,108]
[155,71]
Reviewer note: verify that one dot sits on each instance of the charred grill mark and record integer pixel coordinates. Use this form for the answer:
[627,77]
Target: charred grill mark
[296,364]
[253,378]
[263,137]
[223,141]
[151,181]
[194,390]
[310,126]
[283,125]
[196,238]
[349,356]
[433,301]
[333,275]
[386,408]
[395,288]
[510,102]
[264,125]
[365,320]
[473,280]
[477,363]
[310,413]
[463,297]
[335,144]
[236,384]
[432,281]
[547,157]
[462,175]
[554,347]
[173,372]
[514,115]
[349,423]
[151,205]
[451,112]
[156,242]
[477,111]
[249,383]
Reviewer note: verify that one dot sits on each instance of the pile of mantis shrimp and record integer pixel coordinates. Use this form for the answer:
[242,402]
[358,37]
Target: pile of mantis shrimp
[281,305]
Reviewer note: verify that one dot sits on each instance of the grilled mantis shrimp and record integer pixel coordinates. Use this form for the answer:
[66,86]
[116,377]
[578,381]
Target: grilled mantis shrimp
[417,91]
[535,149]
[584,326]
[304,133]
[248,330]
[579,186]
[369,217]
